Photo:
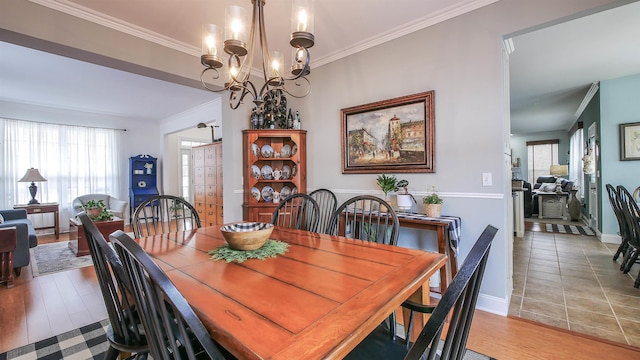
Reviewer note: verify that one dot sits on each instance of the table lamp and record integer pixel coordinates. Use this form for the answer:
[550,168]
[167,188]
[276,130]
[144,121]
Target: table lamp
[557,171]
[32,176]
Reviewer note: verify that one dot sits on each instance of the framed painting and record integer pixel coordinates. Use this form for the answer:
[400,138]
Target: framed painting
[630,141]
[390,136]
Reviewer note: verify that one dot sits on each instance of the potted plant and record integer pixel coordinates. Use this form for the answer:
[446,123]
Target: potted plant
[433,203]
[387,184]
[405,199]
[97,210]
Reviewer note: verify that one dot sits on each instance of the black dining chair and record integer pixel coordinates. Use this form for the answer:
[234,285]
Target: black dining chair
[327,202]
[172,329]
[125,333]
[297,211]
[632,215]
[369,218]
[366,217]
[618,211]
[162,214]
[457,304]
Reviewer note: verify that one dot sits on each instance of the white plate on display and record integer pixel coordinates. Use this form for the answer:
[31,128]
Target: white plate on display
[286,191]
[267,194]
[142,183]
[286,151]
[267,151]
[255,149]
[294,171]
[255,171]
[294,191]
[286,172]
[267,172]
[294,149]
[255,192]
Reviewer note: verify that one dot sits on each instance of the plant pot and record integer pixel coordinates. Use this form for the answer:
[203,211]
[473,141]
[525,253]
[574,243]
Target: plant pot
[93,212]
[433,210]
[404,202]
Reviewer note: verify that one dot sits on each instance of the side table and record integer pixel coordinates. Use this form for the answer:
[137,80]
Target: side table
[42,209]
[554,198]
[7,245]
[77,240]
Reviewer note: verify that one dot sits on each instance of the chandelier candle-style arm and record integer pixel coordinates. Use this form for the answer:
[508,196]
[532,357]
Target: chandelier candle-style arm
[240,45]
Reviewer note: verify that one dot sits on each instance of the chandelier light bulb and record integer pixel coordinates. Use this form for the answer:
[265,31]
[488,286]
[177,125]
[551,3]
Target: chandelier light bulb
[302,20]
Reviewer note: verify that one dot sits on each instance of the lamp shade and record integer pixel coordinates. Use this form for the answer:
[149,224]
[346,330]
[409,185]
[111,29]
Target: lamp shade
[559,170]
[32,175]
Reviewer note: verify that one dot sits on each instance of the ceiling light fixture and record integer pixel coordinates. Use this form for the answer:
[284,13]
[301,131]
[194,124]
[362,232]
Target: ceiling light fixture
[240,61]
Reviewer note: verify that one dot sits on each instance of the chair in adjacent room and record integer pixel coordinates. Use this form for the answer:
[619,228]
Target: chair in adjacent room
[632,215]
[125,333]
[456,308]
[620,217]
[366,217]
[297,211]
[115,206]
[172,328]
[327,203]
[162,214]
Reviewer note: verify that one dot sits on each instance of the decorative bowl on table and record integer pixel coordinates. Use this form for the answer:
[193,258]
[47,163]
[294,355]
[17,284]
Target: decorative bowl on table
[246,235]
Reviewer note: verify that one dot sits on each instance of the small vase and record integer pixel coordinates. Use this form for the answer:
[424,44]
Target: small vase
[94,211]
[433,210]
[404,202]
[575,207]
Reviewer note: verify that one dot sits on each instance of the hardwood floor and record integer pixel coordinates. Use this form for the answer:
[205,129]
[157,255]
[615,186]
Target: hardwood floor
[37,308]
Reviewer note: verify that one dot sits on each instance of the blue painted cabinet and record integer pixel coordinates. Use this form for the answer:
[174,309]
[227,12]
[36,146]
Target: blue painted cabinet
[142,180]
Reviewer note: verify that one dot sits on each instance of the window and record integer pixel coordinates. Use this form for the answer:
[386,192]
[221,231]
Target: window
[541,154]
[75,160]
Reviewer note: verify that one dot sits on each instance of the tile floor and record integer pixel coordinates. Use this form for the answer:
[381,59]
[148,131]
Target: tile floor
[572,282]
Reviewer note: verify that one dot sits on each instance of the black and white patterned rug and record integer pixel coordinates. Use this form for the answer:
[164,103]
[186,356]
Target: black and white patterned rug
[569,229]
[87,342]
[90,342]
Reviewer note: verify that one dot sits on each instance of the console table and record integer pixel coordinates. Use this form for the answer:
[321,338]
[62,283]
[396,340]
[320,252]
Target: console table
[78,241]
[42,209]
[558,200]
[448,229]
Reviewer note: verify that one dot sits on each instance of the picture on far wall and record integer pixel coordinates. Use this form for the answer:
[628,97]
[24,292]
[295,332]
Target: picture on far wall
[630,141]
[390,136]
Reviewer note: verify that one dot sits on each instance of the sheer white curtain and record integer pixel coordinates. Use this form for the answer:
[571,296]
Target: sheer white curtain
[575,160]
[75,161]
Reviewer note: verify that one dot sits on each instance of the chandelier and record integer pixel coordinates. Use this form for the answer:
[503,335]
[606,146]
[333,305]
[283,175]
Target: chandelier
[240,45]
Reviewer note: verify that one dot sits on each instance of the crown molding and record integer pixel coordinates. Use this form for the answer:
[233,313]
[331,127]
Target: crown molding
[408,28]
[99,18]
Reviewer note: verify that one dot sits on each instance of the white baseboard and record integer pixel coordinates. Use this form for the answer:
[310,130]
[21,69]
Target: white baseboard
[610,238]
[492,304]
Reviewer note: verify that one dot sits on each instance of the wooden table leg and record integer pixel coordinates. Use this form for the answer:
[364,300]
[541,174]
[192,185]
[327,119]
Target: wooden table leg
[421,296]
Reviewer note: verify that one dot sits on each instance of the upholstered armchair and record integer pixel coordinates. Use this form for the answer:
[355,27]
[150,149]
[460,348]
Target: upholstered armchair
[115,206]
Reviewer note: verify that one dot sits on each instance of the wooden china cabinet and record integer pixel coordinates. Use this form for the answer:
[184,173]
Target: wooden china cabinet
[207,166]
[273,161]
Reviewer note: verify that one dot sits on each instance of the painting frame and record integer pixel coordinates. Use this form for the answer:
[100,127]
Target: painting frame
[629,141]
[390,136]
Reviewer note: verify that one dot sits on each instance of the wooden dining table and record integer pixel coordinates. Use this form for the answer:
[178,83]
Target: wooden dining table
[317,301]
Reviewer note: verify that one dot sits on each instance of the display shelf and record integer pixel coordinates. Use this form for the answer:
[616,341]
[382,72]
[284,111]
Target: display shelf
[283,148]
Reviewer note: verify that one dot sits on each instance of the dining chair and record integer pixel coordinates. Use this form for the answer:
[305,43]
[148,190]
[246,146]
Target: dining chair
[161,214]
[369,218]
[172,329]
[366,217]
[124,333]
[457,305]
[620,218]
[632,215]
[327,202]
[297,211]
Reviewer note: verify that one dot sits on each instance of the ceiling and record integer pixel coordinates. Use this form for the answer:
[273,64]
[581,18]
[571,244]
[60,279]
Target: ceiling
[550,70]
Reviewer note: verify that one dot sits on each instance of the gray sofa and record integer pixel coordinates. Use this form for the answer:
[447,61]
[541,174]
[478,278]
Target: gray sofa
[26,236]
